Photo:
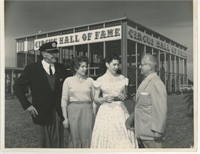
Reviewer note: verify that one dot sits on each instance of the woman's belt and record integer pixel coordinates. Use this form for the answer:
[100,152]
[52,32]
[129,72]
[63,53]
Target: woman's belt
[81,102]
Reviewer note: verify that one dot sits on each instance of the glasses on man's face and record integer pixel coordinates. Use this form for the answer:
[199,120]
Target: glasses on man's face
[141,65]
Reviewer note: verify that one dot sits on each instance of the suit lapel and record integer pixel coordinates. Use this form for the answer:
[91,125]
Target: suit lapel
[42,72]
[143,86]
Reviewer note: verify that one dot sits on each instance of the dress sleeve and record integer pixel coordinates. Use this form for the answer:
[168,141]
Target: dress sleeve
[126,80]
[96,83]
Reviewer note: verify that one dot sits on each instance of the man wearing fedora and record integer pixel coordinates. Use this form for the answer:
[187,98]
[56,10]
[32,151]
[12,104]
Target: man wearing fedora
[45,80]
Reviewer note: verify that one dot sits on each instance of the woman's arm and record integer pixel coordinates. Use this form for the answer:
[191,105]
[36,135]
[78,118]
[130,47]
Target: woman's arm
[99,99]
[94,105]
[64,103]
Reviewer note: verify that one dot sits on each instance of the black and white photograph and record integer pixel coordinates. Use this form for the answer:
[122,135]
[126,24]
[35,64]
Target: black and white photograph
[100,75]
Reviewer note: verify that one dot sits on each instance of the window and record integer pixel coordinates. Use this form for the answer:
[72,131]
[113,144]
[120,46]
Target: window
[67,56]
[96,59]
[30,57]
[30,45]
[81,50]
[113,47]
[20,46]
[21,59]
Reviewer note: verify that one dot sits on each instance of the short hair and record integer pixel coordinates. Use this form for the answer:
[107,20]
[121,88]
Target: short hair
[109,59]
[150,59]
[112,57]
[78,60]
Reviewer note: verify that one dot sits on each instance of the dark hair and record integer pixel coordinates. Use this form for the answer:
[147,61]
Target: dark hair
[112,57]
[77,62]
[109,59]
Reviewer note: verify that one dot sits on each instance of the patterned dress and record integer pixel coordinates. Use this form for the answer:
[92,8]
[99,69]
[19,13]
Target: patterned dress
[109,130]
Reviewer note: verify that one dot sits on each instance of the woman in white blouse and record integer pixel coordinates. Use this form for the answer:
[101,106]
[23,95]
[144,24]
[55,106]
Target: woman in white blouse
[109,129]
[77,107]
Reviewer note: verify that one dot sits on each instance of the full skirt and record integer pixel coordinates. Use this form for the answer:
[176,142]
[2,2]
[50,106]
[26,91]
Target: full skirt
[109,129]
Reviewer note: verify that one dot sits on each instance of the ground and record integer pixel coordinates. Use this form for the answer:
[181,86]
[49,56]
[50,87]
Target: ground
[20,132]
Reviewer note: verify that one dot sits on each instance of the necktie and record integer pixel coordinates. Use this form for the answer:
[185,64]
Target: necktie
[50,70]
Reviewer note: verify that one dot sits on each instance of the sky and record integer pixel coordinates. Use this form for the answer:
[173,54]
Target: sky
[173,19]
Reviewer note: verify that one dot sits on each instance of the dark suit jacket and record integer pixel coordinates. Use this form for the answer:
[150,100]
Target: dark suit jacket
[43,98]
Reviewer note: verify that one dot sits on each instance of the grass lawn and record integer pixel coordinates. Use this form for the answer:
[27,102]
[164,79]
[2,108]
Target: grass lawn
[20,132]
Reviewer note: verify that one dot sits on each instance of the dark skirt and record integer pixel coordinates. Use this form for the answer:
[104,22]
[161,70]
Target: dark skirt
[81,121]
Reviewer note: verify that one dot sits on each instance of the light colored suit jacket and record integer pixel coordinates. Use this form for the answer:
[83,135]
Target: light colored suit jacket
[150,108]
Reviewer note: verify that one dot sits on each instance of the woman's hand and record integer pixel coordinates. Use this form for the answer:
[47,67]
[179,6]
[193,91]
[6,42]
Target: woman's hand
[130,122]
[109,99]
[120,97]
[66,123]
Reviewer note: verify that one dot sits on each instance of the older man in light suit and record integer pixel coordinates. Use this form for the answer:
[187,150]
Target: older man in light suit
[150,112]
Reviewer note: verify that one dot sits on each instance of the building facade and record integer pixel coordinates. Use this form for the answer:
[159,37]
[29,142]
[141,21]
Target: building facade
[122,36]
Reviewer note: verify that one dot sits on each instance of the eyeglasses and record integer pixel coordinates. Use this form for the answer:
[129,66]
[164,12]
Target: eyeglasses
[141,65]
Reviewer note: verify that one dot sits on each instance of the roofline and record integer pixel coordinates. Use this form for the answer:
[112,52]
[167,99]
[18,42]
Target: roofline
[105,21]
[128,19]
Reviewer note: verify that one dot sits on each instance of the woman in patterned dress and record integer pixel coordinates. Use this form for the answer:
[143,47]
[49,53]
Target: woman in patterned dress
[109,129]
[77,107]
